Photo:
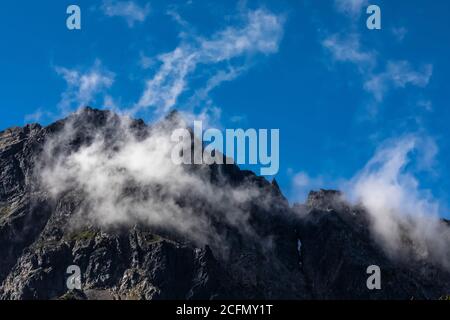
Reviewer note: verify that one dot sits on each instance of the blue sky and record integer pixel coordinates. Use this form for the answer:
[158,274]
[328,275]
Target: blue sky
[337,91]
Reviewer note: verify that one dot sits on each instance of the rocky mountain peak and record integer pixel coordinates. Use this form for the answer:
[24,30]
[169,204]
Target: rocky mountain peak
[249,249]
[324,199]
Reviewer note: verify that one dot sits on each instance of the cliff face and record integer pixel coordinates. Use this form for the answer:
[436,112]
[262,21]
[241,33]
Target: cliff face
[319,250]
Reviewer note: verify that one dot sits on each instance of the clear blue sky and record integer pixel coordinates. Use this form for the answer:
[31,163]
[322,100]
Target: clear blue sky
[335,89]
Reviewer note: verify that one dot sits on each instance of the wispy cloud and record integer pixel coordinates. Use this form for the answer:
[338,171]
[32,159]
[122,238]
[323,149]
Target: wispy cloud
[349,49]
[260,33]
[399,33]
[398,74]
[238,118]
[83,85]
[129,10]
[145,61]
[427,105]
[351,8]
[38,115]
[379,74]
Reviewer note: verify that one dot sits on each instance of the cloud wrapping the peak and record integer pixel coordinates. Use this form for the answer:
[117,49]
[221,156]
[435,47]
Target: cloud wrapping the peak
[404,217]
[124,179]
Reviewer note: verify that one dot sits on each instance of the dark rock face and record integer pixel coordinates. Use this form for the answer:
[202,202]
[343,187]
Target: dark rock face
[337,248]
[321,253]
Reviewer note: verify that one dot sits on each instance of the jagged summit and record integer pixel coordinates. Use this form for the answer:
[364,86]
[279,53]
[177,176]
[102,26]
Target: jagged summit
[244,242]
[323,199]
[174,114]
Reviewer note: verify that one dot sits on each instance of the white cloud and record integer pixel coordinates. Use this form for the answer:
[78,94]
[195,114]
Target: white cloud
[425,104]
[172,12]
[401,212]
[398,74]
[348,49]
[352,8]
[166,195]
[83,85]
[399,33]
[145,61]
[128,10]
[110,103]
[238,118]
[261,33]
[401,73]
[38,115]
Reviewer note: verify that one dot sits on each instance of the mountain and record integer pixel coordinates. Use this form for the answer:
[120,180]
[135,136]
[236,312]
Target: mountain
[242,240]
